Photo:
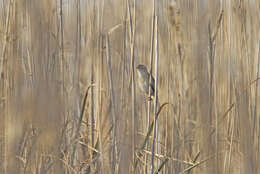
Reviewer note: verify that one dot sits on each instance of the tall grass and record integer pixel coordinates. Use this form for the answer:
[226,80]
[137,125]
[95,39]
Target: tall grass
[69,102]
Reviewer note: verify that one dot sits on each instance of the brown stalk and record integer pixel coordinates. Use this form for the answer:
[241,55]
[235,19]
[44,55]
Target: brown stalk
[114,109]
[80,119]
[156,93]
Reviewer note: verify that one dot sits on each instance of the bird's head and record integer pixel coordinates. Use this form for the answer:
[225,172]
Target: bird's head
[141,69]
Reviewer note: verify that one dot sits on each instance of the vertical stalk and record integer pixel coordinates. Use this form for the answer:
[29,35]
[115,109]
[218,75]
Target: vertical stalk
[77,53]
[62,44]
[4,90]
[156,93]
[150,72]
[100,86]
[132,22]
[100,103]
[109,69]
[256,87]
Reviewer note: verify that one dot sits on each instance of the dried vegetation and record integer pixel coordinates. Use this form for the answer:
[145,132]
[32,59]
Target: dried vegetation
[69,101]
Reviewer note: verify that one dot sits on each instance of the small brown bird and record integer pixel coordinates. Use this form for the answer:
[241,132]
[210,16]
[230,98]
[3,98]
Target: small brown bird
[143,80]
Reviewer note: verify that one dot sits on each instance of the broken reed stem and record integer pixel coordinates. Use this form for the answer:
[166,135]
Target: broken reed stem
[233,104]
[80,121]
[218,25]
[197,164]
[149,131]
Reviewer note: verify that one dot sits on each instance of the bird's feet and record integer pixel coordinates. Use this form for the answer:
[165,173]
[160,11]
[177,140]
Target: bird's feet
[150,98]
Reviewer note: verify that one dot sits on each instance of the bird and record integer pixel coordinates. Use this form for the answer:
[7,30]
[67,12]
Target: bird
[143,80]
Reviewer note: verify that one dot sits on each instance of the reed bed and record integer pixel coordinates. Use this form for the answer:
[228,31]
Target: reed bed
[69,101]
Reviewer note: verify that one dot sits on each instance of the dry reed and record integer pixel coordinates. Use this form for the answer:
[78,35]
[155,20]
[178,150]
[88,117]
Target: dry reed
[204,55]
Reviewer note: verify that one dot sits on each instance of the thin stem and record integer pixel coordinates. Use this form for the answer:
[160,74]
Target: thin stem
[155,95]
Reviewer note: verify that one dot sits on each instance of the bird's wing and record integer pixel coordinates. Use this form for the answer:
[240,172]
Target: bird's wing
[152,81]
[152,85]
